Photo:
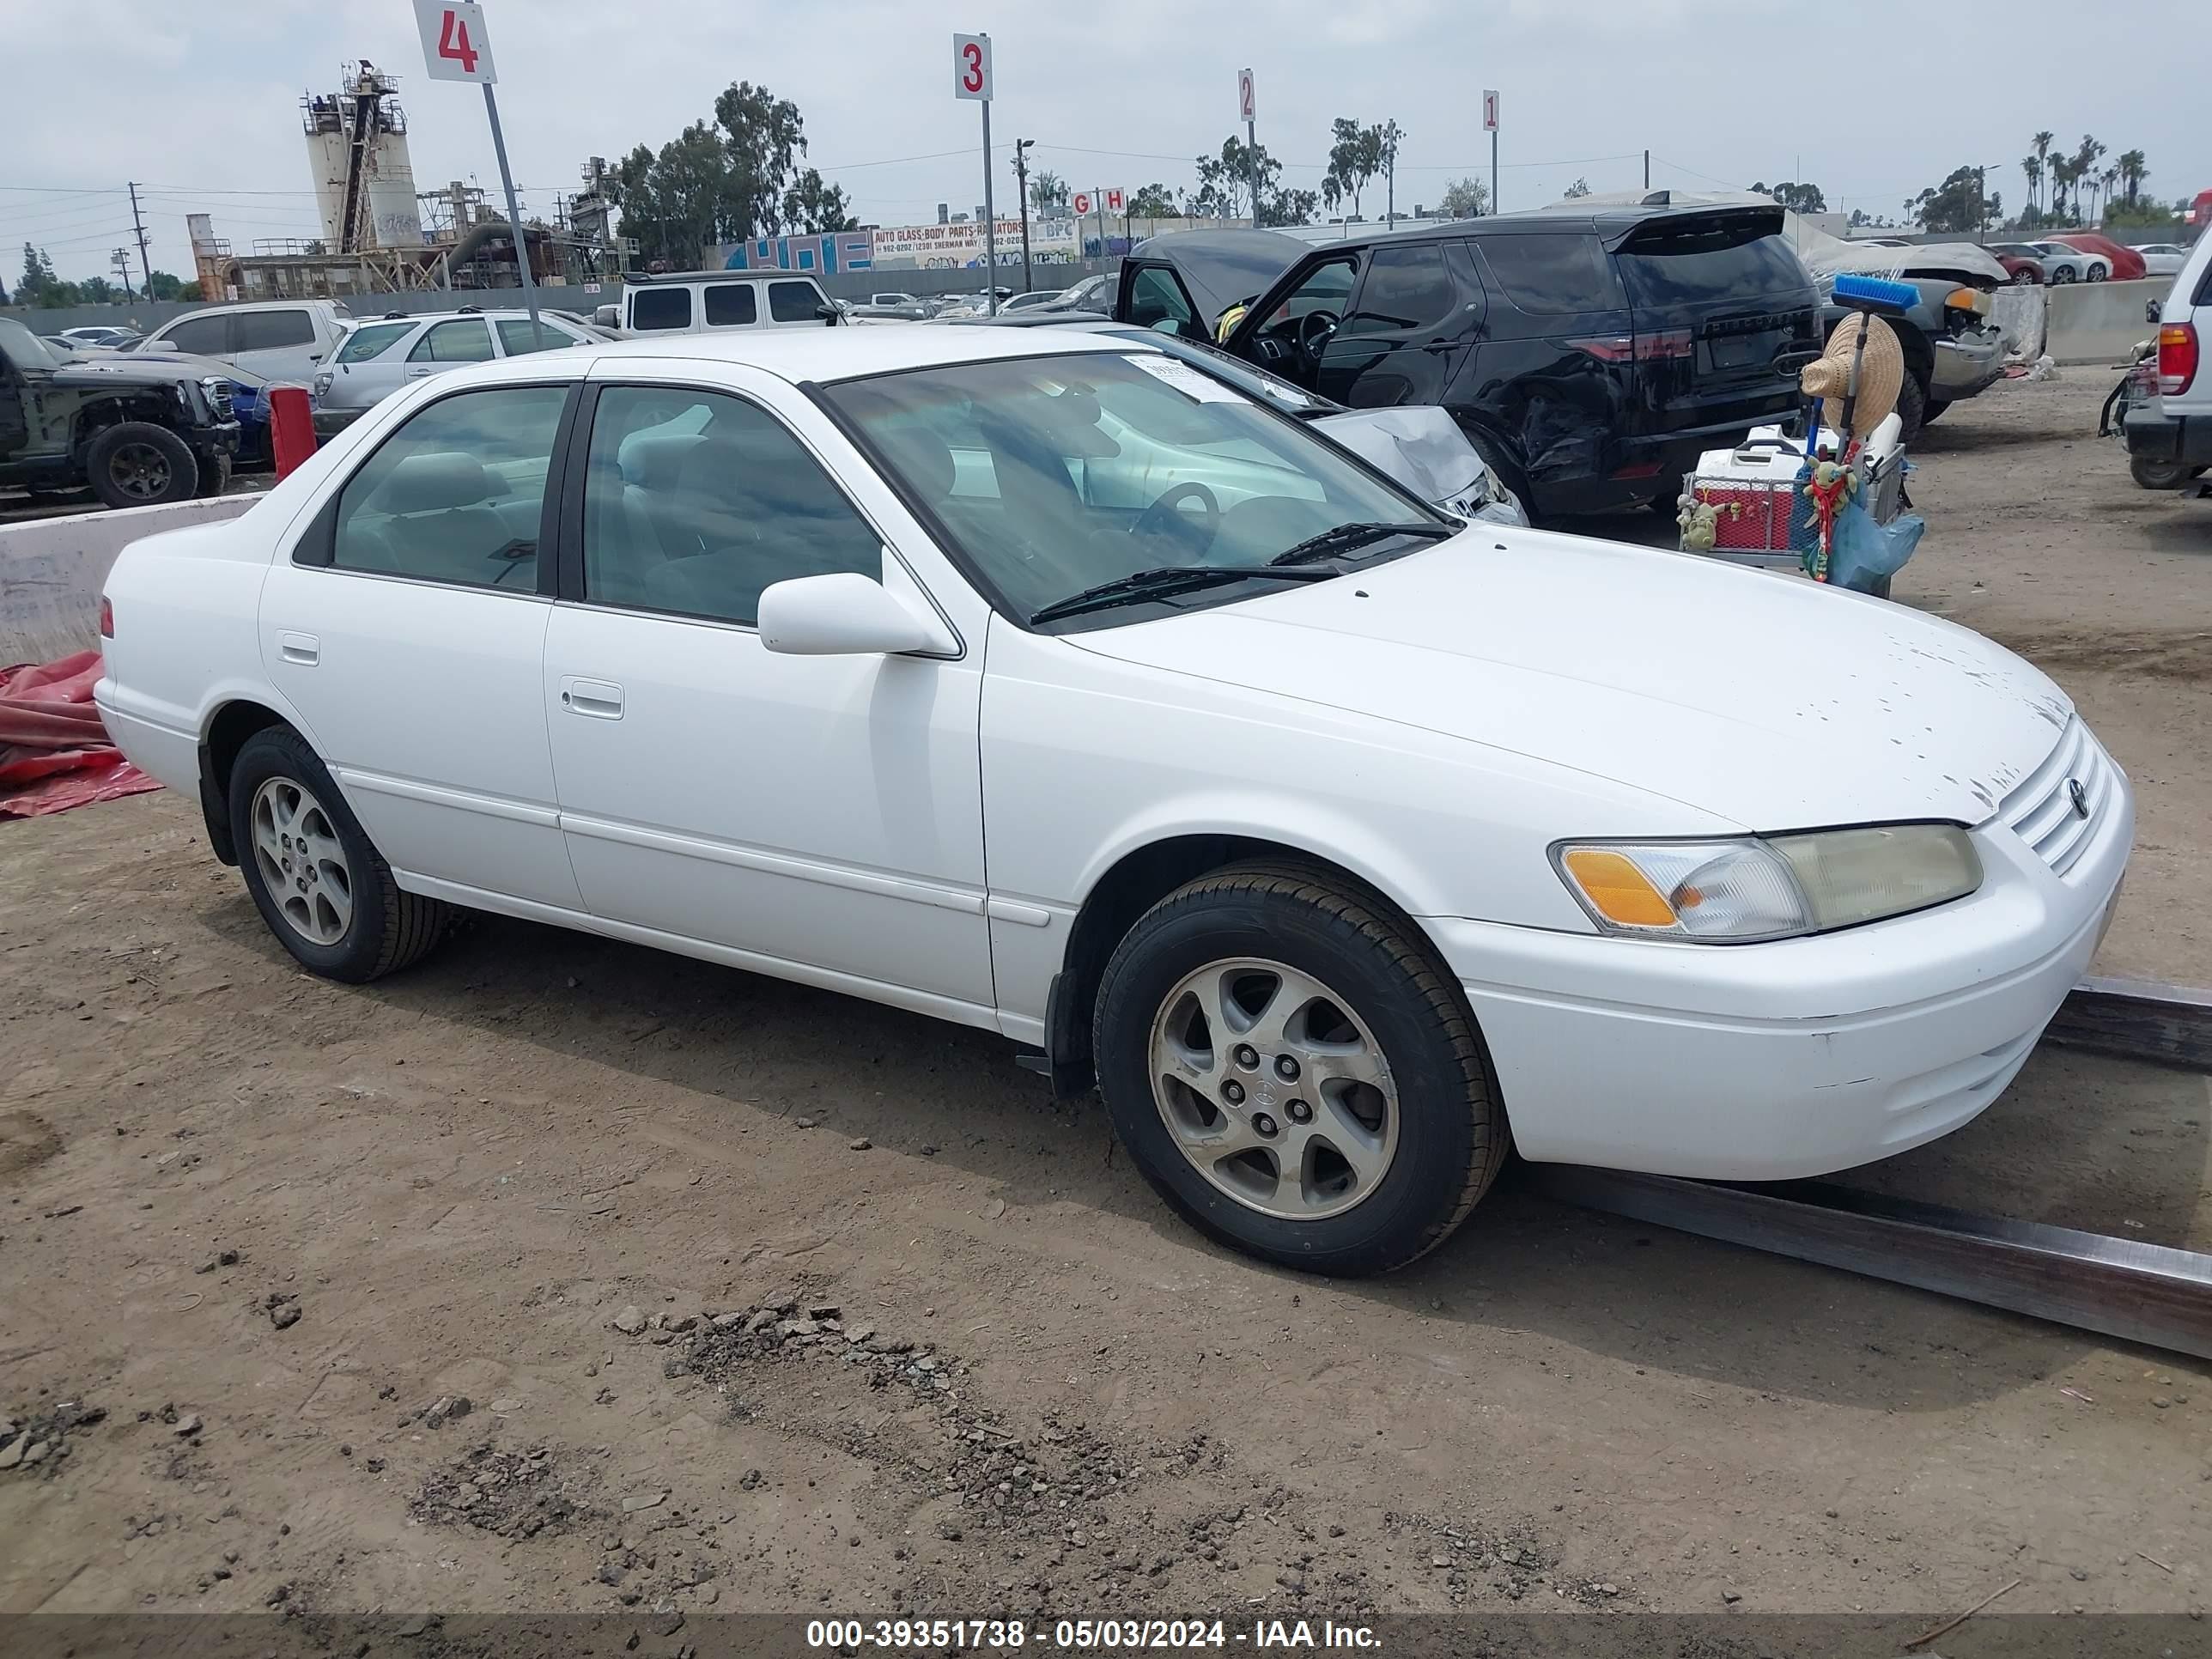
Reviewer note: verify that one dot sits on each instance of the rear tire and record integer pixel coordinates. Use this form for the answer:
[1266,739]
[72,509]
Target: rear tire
[318,880]
[1338,1056]
[1912,407]
[2097,273]
[1933,408]
[137,464]
[2160,475]
[2062,276]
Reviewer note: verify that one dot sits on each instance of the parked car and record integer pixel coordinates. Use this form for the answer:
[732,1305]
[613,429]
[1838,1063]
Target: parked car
[2170,437]
[137,433]
[376,359]
[105,337]
[2022,261]
[1034,298]
[972,305]
[2063,262]
[2123,263]
[710,301]
[248,395]
[1343,846]
[893,298]
[1953,349]
[281,340]
[1417,446]
[1591,358]
[1093,293]
[2162,259]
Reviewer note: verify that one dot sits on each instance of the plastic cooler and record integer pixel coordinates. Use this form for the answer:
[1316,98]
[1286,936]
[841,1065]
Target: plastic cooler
[1762,515]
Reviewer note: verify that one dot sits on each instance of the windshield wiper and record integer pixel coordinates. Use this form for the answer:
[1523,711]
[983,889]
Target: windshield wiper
[1345,537]
[1164,581]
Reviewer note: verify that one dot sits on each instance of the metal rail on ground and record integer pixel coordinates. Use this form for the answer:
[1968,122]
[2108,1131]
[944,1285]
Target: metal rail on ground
[2119,1287]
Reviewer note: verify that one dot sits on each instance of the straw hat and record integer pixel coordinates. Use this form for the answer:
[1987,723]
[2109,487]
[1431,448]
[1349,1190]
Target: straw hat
[1881,375]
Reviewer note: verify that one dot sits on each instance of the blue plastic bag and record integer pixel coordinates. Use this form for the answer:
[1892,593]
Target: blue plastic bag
[1863,556]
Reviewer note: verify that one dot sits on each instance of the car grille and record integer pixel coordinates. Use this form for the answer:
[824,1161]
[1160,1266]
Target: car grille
[2043,811]
[218,394]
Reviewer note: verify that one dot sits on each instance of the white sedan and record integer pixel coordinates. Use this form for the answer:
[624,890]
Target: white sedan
[1040,682]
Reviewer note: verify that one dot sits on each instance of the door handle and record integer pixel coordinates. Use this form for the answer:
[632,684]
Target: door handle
[305,649]
[418,373]
[601,700]
[1441,347]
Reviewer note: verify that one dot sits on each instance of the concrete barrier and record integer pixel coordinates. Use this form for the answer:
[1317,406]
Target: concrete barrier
[51,571]
[2100,322]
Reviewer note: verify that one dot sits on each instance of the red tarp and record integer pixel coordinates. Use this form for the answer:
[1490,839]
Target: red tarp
[54,752]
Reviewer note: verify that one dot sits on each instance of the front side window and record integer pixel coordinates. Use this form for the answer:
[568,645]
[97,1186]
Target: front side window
[1056,474]
[456,494]
[371,339]
[661,307]
[794,303]
[454,343]
[1155,298]
[202,336]
[695,502]
[1406,288]
[266,331]
[731,305]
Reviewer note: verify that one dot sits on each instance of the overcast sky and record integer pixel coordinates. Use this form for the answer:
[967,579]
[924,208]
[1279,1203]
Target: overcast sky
[1870,101]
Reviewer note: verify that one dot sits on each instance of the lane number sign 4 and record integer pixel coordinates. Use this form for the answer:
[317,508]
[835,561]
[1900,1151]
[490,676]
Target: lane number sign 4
[971,67]
[456,45]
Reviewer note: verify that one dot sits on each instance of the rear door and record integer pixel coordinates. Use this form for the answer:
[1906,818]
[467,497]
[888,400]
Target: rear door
[1418,309]
[1725,315]
[281,344]
[794,302]
[447,345]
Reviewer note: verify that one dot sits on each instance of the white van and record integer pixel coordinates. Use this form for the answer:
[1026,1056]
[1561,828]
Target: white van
[708,301]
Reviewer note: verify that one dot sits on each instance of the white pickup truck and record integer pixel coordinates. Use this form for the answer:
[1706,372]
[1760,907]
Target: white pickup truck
[2170,437]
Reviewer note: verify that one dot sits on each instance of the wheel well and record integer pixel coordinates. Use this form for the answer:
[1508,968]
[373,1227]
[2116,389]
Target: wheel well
[1140,880]
[114,411]
[234,723]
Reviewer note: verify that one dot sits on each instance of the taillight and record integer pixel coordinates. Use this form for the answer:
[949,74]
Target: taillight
[1652,347]
[2177,358]
[107,617]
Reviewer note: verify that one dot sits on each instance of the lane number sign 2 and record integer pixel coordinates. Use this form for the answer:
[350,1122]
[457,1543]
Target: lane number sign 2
[971,67]
[456,45]
[1248,102]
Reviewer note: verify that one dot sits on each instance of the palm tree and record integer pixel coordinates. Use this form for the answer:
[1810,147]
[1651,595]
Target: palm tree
[2033,167]
[2043,144]
[2085,165]
[2063,175]
[2133,171]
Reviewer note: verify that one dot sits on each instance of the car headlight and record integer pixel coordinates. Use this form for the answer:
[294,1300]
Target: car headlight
[322,384]
[1767,887]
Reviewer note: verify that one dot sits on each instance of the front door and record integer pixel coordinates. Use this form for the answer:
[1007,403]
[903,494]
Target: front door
[14,415]
[818,813]
[407,628]
[1407,330]
[1288,328]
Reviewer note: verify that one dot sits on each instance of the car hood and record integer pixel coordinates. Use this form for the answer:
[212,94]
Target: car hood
[1769,702]
[1418,444]
[137,369]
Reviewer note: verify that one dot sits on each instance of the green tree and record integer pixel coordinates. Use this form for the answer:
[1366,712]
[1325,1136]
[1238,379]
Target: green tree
[1798,198]
[1049,191]
[724,180]
[1223,179]
[1580,188]
[1956,204]
[161,285]
[1152,202]
[2085,169]
[2134,169]
[1354,158]
[1465,199]
[2042,142]
[97,291]
[39,286]
[813,204]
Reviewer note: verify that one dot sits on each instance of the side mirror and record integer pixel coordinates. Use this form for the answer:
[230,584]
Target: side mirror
[2153,312]
[607,317]
[846,615]
[827,311]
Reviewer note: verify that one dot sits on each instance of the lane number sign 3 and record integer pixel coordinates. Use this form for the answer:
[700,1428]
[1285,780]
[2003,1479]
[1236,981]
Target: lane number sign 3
[456,45]
[971,67]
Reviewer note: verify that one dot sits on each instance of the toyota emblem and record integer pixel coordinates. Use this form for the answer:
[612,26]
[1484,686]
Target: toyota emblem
[2079,796]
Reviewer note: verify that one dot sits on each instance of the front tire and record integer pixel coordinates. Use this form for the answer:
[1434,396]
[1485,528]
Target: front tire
[1294,1074]
[319,882]
[137,464]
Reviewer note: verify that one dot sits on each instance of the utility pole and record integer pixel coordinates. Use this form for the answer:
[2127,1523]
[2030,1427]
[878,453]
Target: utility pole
[120,260]
[145,270]
[1390,136]
[1646,169]
[1022,178]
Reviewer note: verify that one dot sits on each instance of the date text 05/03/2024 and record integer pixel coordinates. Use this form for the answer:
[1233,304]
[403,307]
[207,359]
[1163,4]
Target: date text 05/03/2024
[1083,1635]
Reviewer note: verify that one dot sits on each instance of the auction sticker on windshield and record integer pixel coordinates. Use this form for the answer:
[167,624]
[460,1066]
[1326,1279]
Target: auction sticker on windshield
[1204,388]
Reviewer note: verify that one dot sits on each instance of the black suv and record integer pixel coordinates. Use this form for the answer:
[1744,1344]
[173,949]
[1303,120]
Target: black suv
[1591,356]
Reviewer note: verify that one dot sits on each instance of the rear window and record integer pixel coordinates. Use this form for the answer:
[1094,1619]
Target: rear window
[1709,262]
[794,303]
[1551,273]
[731,305]
[370,339]
[661,308]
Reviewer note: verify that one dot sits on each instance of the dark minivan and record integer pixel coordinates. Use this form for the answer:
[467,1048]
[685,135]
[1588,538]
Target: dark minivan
[1591,356]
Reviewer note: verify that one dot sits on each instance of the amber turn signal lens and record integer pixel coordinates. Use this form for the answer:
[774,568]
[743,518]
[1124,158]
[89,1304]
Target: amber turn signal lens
[1617,889]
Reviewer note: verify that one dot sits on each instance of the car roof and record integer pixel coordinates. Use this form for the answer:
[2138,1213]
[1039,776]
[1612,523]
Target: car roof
[798,355]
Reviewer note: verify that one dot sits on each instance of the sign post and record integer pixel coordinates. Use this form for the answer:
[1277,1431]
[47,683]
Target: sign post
[971,79]
[1490,120]
[1247,110]
[456,46]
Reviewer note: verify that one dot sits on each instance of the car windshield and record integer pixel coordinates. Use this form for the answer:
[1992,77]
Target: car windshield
[24,348]
[1056,474]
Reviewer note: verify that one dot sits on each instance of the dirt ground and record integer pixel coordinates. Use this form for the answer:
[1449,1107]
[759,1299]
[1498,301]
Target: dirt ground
[559,1274]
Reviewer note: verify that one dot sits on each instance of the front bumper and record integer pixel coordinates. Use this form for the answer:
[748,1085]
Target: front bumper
[2154,435]
[1769,1062]
[1965,363]
[329,423]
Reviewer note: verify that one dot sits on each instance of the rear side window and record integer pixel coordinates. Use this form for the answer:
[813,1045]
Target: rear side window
[516,339]
[1407,287]
[661,308]
[1552,274]
[1698,263]
[454,343]
[206,336]
[370,340]
[456,494]
[731,305]
[794,303]
[265,331]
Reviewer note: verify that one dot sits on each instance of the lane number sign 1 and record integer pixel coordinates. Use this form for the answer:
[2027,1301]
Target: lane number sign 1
[971,67]
[456,46]
[1489,111]
[1248,103]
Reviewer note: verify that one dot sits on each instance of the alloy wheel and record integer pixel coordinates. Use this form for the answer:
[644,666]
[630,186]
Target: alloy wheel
[302,862]
[1274,1089]
[140,471]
